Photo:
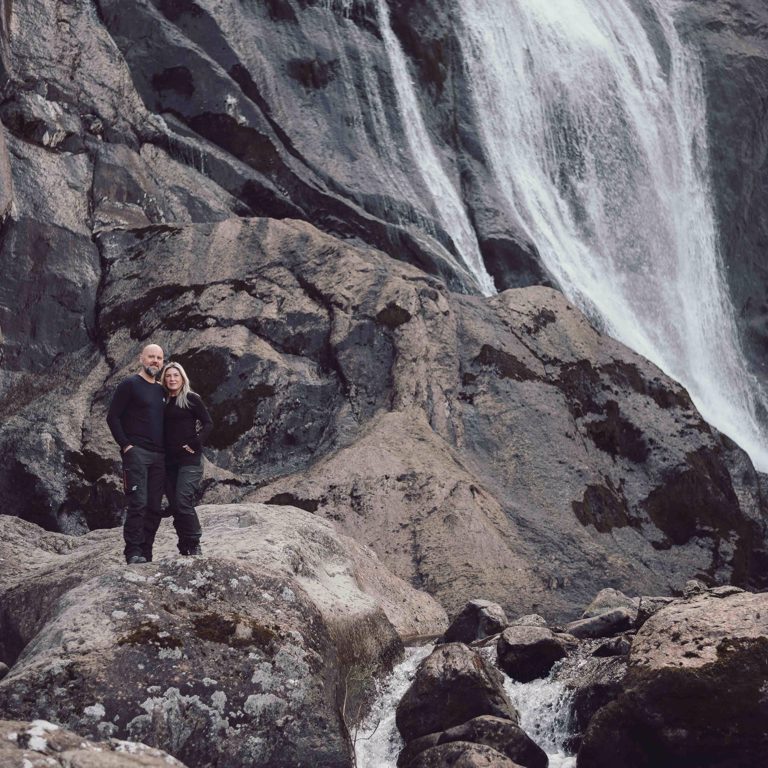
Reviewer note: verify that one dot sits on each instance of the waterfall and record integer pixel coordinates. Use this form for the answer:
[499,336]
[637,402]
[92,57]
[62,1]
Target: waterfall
[445,198]
[594,126]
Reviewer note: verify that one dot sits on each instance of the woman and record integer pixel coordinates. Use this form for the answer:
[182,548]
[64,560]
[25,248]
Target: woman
[184,455]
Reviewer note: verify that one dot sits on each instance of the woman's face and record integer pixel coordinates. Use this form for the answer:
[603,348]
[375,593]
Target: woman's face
[172,380]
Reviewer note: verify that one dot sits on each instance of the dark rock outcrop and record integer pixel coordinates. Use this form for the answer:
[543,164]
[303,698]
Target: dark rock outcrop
[733,41]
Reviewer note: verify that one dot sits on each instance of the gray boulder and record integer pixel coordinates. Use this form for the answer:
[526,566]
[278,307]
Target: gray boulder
[648,606]
[502,735]
[478,619]
[608,599]
[690,663]
[40,743]
[526,653]
[461,754]
[452,685]
[604,624]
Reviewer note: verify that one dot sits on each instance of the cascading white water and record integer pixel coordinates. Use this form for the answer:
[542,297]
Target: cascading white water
[597,139]
[377,741]
[544,707]
[447,202]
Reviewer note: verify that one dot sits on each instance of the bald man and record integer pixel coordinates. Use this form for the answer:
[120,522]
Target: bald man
[135,419]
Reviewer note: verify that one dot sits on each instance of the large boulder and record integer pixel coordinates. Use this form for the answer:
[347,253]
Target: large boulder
[694,690]
[264,651]
[461,754]
[476,621]
[499,733]
[526,653]
[605,624]
[41,744]
[385,402]
[452,685]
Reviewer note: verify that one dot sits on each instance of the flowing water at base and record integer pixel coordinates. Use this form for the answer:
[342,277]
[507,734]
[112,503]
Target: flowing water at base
[545,713]
[377,741]
[544,707]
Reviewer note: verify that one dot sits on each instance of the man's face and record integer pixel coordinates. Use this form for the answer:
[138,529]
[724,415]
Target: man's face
[151,359]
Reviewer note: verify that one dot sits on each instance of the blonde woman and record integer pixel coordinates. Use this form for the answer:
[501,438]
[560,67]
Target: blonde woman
[186,427]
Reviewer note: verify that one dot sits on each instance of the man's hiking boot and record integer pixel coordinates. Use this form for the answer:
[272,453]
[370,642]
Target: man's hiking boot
[193,550]
[136,559]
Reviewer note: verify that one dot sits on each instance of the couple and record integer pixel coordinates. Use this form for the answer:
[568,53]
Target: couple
[156,426]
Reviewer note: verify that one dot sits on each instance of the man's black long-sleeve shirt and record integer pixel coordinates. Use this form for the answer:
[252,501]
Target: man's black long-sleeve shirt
[136,413]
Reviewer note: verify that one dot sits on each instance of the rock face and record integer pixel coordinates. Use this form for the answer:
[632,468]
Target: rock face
[421,421]
[38,744]
[259,653]
[499,447]
[694,690]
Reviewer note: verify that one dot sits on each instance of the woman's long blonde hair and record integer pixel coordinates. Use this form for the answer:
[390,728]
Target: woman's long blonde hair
[182,398]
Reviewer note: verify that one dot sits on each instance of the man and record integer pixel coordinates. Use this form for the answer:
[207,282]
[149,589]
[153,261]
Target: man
[135,419]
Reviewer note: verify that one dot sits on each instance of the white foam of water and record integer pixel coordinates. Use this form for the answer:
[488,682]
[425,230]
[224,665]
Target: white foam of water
[377,741]
[544,707]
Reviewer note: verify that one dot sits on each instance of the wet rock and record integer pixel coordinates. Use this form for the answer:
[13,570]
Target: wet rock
[452,685]
[690,662]
[415,747]
[502,735]
[616,646]
[479,619]
[604,624]
[735,74]
[593,682]
[526,653]
[40,743]
[458,754]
